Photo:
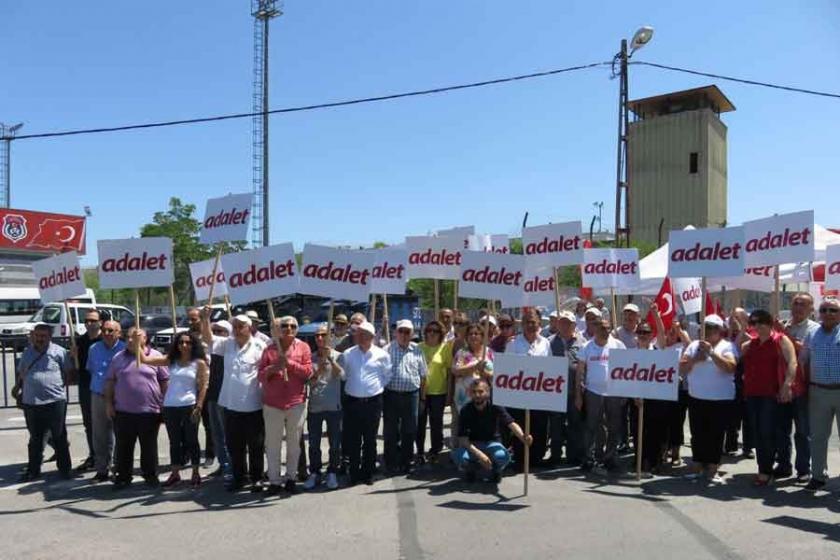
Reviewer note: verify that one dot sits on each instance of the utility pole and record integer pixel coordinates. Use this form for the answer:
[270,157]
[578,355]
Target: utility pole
[262,11]
[7,133]
[600,207]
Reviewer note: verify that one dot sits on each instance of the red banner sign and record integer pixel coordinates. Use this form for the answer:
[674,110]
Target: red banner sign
[41,232]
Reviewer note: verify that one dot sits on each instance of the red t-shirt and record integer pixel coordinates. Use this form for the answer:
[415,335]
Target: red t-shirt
[764,367]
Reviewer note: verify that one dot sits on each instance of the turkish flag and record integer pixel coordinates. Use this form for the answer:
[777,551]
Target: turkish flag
[710,305]
[59,234]
[585,293]
[665,302]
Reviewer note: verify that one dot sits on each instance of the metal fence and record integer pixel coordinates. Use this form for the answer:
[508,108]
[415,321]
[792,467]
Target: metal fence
[11,348]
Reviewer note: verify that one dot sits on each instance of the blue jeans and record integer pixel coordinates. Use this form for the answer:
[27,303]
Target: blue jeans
[314,425]
[794,415]
[497,453]
[399,416]
[763,414]
[217,431]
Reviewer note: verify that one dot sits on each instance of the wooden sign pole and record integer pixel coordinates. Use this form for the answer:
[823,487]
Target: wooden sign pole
[437,298]
[775,302]
[386,320]
[557,289]
[640,427]
[373,310]
[172,309]
[72,327]
[213,276]
[137,324]
[276,340]
[527,448]
[227,307]
[613,310]
[703,308]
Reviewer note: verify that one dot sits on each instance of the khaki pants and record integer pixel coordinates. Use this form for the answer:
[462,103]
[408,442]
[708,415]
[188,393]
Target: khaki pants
[103,433]
[823,410]
[280,423]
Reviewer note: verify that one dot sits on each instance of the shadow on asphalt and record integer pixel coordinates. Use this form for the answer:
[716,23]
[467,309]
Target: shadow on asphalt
[830,531]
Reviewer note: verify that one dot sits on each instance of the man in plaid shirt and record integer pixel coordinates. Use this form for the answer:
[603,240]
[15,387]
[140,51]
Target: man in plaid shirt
[402,399]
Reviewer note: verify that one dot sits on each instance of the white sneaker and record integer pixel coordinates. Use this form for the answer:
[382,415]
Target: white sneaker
[715,479]
[332,481]
[311,482]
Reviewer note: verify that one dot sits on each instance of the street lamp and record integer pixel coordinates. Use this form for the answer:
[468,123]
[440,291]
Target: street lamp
[640,38]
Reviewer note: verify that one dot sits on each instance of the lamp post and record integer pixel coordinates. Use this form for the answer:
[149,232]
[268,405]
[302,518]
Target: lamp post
[642,37]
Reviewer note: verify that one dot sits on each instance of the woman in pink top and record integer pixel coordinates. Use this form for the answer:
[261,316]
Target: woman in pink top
[283,376]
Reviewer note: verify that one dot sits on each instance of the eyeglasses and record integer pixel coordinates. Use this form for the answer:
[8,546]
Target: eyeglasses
[108,331]
[643,333]
[434,331]
[506,326]
[220,332]
[320,335]
[288,326]
[91,320]
[403,331]
[462,323]
[829,310]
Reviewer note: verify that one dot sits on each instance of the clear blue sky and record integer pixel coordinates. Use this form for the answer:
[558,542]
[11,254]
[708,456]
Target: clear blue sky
[381,171]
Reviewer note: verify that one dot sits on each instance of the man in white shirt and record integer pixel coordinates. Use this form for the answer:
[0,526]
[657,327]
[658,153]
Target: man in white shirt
[241,398]
[530,343]
[601,412]
[368,370]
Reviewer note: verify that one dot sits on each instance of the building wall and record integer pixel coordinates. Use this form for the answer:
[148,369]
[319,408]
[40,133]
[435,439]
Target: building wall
[661,185]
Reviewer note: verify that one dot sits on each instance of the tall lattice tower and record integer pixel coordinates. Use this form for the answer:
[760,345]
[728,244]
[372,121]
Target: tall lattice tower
[6,135]
[263,11]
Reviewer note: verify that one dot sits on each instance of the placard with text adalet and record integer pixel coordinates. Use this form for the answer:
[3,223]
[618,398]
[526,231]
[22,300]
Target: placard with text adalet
[493,276]
[644,374]
[227,218]
[336,273]
[59,277]
[832,267]
[788,238]
[537,288]
[260,274]
[688,292]
[706,252]
[135,263]
[463,233]
[552,245]
[434,257]
[610,268]
[532,382]
[390,273]
[202,276]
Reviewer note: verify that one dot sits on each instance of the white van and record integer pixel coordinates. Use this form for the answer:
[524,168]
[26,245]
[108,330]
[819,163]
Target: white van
[18,303]
[56,314]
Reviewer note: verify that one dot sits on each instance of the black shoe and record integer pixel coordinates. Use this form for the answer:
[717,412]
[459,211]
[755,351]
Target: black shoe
[748,454]
[86,465]
[587,466]
[66,475]
[51,458]
[814,485]
[290,487]
[152,481]
[779,472]
[120,484]
[217,473]
[27,476]
[469,477]
[234,485]
[611,466]
[256,488]
[274,489]
[496,477]
[101,477]
[368,481]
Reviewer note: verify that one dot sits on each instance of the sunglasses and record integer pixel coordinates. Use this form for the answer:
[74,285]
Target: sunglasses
[829,310]
[403,331]
[506,326]
[434,331]
[219,332]
[643,333]
[91,320]
[108,331]
[462,323]
[288,326]
[320,335]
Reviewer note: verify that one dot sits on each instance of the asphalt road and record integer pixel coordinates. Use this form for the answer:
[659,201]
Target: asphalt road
[430,515]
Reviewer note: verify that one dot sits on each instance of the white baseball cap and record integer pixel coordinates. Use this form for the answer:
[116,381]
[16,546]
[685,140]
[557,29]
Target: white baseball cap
[714,320]
[568,315]
[224,325]
[367,327]
[492,319]
[242,318]
[593,311]
[405,324]
[631,307]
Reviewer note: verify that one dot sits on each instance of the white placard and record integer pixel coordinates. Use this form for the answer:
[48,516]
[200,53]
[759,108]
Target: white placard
[489,243]
[59,277]
[135,263]
[537,288]
[832,267]
[493,276]
[261,273]
[434,257]
[463,233]
[389,275]
[202,276]
[611,268]
[706,252]
[788,238]
[336,273]
[532,382]
[227,218]
[552,245]
[688,292]
[644,374]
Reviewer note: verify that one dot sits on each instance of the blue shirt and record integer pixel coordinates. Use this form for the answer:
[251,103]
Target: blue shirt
[408,367]
[824,355]
[99,358]
[43,374]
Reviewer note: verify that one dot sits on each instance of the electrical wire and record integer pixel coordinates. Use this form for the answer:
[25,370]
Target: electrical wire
[738,80]
[331,105]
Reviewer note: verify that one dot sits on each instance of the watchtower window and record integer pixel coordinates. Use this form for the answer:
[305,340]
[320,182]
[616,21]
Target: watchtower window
[692,162]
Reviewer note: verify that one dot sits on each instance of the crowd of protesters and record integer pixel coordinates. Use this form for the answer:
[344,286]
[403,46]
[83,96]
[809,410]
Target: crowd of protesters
[747,375]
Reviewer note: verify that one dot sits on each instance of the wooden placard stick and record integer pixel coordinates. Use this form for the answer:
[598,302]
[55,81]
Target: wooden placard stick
[640,427]
[276,340]
[172,309]
[213,276]
[73,349]
[527,450]
[386,319]
[137,349]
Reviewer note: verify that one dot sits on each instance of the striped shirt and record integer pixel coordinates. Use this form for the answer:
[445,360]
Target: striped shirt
[408,367]
[823,354]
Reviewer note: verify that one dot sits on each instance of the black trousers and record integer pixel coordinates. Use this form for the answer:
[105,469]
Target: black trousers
[655,430]
[361,424]
[676,419]
[539,431]
[43,419]
[183,436]
[431,414]
[128,428]
[84,405]
[209,450]
[245,437]
[708,421]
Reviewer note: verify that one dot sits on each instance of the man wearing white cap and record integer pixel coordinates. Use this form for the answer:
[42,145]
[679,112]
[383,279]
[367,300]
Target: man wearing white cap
[552,327]
[592,320]
[626,333]
[368,370]
[241,398]
[566,428]
[401,401]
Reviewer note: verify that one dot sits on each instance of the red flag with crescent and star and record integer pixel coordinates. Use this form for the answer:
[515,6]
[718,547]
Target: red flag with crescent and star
[665,302]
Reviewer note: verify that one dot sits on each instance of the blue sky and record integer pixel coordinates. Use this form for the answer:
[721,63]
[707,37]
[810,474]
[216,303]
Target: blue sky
[382,171]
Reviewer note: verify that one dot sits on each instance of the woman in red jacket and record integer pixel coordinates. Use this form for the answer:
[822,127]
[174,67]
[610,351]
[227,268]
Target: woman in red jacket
[769,370]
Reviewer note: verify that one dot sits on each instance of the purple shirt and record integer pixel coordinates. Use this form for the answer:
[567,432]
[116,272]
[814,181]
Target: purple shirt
[136,390]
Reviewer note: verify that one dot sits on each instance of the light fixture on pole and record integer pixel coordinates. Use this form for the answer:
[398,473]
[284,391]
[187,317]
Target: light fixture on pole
[642,37]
